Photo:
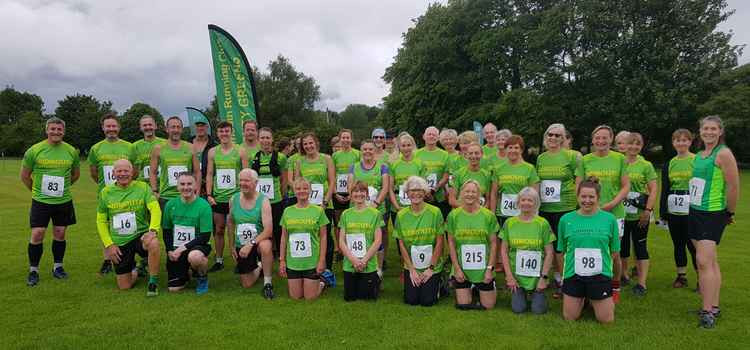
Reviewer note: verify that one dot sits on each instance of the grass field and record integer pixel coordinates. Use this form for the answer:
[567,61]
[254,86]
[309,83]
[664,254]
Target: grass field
[86,311]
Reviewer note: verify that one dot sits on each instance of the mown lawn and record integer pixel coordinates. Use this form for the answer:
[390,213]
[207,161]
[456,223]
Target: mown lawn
[86,311]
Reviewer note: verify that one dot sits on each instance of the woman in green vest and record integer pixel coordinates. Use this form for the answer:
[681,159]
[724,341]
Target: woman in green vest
[714,190]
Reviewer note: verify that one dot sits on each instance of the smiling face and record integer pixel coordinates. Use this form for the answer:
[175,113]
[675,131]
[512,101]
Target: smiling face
[174,129]
[449,143]
[186,187]
[55,132]
[111,128]
[513,152]
[430,136]
[634,147]
[147,126]
[711,132]
[554,138]
[588,200]
[345,140]
[602,140]
[225,135]
[247,182]
[309,145]
[681,144]
[474,154]
[406,146]
[527,204]
[302,191]
[367,150]
[265,139]
[470,194]
[201,129]
[359,195]
[123,172]
[416,196]
[250,132]
[490,134]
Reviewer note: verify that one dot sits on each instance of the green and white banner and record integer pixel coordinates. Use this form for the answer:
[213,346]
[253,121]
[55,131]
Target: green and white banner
[235,86]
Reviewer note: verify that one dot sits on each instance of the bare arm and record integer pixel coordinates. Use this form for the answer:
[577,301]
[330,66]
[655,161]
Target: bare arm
[75,174]
[154,165]
[26,177]
[267,219]
[210,174]
[728,165]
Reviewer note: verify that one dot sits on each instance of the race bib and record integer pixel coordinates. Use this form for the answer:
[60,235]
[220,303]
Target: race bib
[588,261]
[357,244]
[342,183]
[53,186]
[629,208]
[403,197]
[432,181]
[421,255]
[174,173]
[697,185]
[124,223]
[108,171]
[146,171]
[550,191]
[300,245]
[226,179]
[678,204]
[265,186]
[182,234]
[316,194]
[246,233]
[509,205]
[473,256]
[529,263]
[621,227]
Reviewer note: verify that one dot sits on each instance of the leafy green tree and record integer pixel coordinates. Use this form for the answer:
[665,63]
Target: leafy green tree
[25,130]
[14,103]
[82,115]
[286,97]
[732,104]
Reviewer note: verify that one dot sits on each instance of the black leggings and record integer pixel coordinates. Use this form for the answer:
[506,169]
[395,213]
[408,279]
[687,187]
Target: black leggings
[364,285]
[639,236]
[426,294]
[678,229]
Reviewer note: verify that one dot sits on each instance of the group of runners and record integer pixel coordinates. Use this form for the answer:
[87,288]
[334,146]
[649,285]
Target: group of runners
[459,212]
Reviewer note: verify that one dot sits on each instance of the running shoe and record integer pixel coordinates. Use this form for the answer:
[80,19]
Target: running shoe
[680,282]
[329,278]
[59,273]
[639,290]
[218,266]
[706,320]
[33,279]
[143,268]
[716,311]
[152,290]
[106,267]
[202,287]
[268,291]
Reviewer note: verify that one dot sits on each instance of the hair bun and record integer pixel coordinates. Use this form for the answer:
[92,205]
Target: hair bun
[592,179]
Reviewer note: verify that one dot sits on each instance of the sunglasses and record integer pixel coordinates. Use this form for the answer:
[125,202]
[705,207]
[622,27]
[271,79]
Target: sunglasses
[378,137]
[554,135]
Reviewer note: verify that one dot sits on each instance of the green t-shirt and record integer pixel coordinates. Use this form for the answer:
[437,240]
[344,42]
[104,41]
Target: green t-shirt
[511,179]
[248,223]
[187,220]
[373,178]
[316,172]
[360,227]
[51,169]
[526,242]
[680,172]
[401,170]
[482,176]
[142,150]
[343,161]
[493,162]
[558,181]
[126,210]
[227,168]
[457,161]
[609,169]
[488,150]
[435,164]
[472,232]
[303,236]
[250,151]
[419,232]
[640,172]
[103,156]
[266,180]
[587,243]
[172,162]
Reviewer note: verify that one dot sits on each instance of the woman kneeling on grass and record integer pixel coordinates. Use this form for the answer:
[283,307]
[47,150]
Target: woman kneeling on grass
[589,239]
[303,231]
[527,254]
[472,238]
[419,229]
[359,239]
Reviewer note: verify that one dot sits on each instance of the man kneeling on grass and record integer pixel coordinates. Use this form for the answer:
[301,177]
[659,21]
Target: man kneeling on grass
[122,222]
[187,223]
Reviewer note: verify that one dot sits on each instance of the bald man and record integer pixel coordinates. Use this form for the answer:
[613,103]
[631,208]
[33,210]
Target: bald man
[435,163]
[122,220]
[490,133]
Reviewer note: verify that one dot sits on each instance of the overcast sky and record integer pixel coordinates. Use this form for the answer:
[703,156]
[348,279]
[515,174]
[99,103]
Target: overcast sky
[158,52]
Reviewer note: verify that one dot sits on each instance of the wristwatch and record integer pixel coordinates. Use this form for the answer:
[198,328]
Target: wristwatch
[252,241]
[431,267]
[491,267]
[545,277]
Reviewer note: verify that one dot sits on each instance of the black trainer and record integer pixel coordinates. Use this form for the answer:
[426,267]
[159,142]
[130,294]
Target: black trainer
[268,291]
[716,311]
[33,279]
[707,320]
[106,267]
[639,290]
[59,273]
[218,266]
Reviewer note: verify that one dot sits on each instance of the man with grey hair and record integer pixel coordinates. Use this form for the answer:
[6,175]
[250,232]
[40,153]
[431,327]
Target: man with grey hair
[143,147]
[48,170]
[490,132]
[435,166]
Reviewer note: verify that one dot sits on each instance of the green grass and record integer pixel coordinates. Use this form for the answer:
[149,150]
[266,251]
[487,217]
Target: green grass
[86,311]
